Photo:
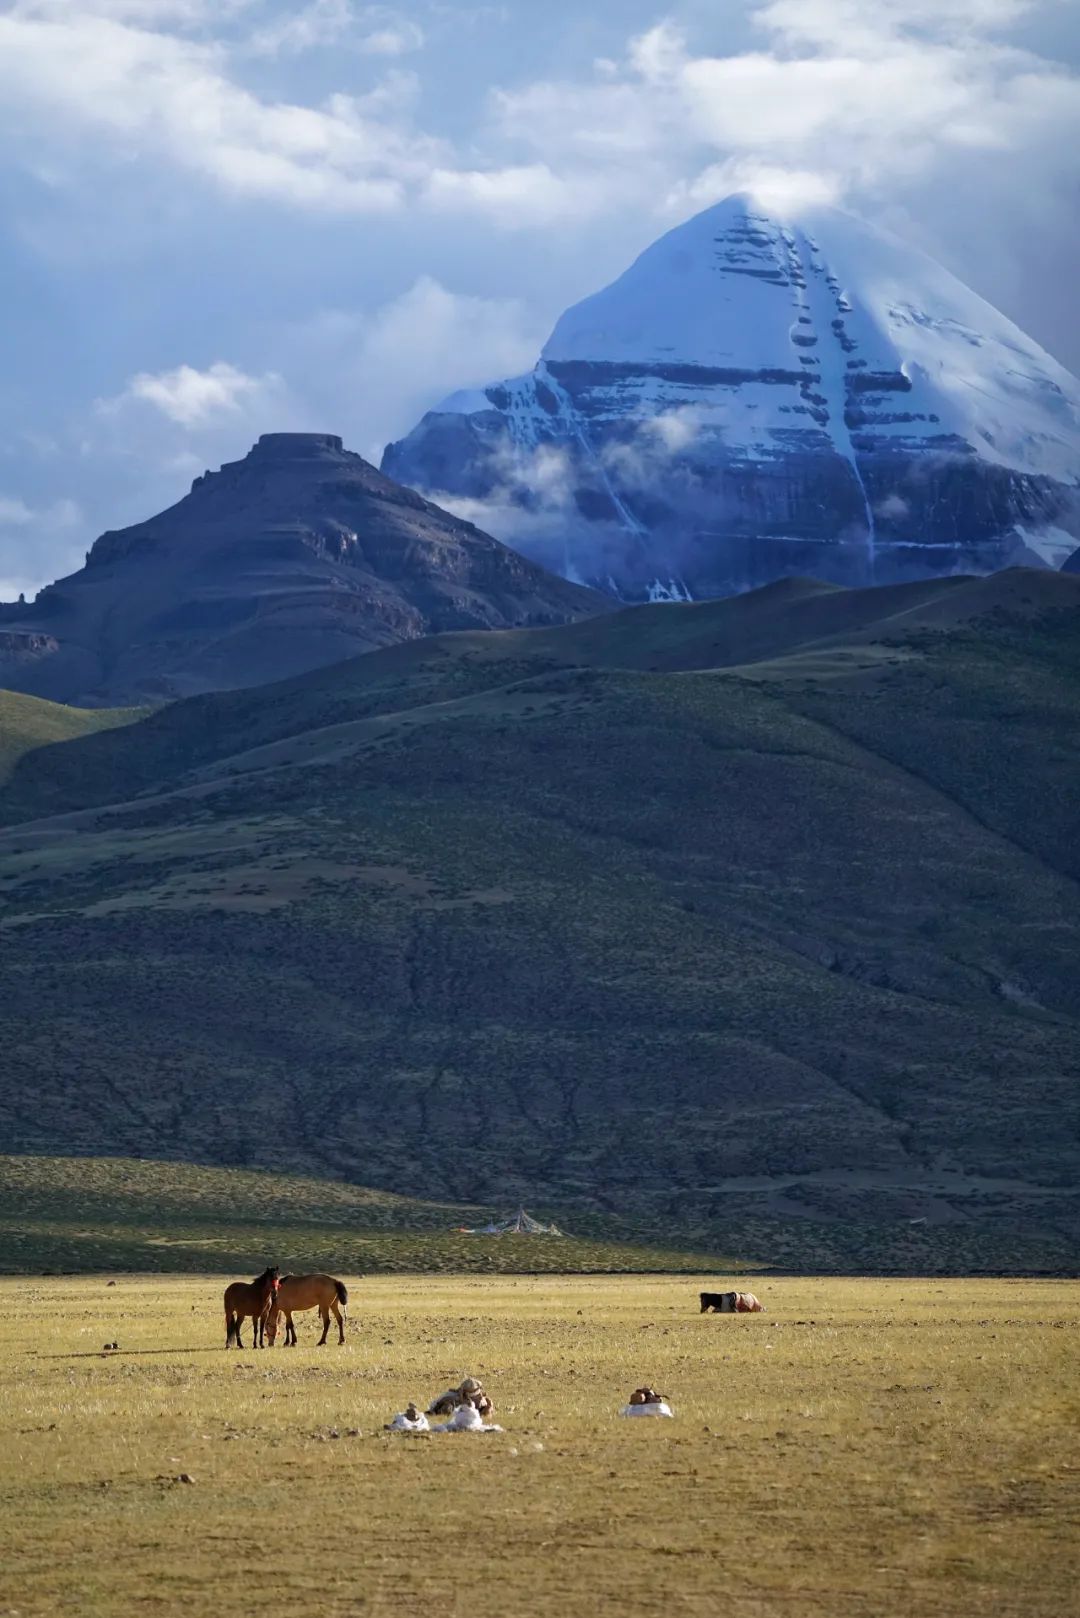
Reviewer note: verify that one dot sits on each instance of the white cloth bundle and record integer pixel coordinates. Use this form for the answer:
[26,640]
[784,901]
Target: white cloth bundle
[657,1407]
[403,1423]
[466,1419]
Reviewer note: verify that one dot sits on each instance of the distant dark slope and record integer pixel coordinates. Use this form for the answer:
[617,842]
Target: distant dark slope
[992,719]
[294,557]
[665,943]
[776,622]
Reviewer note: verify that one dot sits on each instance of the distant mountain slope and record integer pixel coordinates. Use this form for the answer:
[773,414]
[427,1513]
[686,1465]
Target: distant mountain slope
[297,556]
[759,395]
[793,617]
[522,916]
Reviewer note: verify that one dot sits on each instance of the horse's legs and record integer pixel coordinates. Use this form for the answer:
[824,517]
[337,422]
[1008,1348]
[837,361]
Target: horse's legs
[324,1315]
[340,1322]
[290,1331]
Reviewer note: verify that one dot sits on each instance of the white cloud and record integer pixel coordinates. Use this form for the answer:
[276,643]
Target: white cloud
[14,513]
[531,502]
[159,13]
[676,429]
[776,186]
[446,334]
[861,25]
[72,77]
[172,424]
[370,30]
[192,398]
[526,194]
[369,377]
[393,40]
[844,94]
[144,91]
[37,543]
[841,97]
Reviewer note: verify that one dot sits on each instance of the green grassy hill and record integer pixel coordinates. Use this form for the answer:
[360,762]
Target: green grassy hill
[756,915]
[88,1213]
[27,723]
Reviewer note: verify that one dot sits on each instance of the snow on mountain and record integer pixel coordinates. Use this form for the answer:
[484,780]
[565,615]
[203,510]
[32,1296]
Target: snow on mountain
[757,396]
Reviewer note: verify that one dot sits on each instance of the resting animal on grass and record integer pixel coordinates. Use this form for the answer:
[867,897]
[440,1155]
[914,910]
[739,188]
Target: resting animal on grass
[244,1298]
[470,1392]
[731,1303]
[646,1402]
[299,1292]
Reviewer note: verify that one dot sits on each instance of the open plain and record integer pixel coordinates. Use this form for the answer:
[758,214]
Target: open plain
[866,1447]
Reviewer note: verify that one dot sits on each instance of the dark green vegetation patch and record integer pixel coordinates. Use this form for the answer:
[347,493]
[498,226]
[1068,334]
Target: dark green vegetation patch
[757,915]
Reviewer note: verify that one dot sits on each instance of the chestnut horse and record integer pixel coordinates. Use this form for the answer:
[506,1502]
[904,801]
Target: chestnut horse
[243,1298]
[298,1292]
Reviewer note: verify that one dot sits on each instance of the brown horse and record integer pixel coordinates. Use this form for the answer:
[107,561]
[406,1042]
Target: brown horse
[298,1292]
[243,1298]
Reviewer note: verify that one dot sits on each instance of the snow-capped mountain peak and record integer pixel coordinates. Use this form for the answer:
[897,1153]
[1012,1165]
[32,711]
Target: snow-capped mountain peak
[757,395]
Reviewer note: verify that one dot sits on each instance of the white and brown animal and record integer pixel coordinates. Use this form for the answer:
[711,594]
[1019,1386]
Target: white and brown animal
[731,1303]
[470,1392]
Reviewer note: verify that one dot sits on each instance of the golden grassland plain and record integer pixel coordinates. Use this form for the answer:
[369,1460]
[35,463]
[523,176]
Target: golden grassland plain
[865,1447]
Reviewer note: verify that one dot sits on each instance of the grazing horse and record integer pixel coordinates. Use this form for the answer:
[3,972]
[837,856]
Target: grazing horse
[731,1303]
[298,1292]
[252,1298]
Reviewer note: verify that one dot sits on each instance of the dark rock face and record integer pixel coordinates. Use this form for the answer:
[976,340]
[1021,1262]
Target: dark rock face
[299,555]
[25,646]
[1072,565]
[756,398]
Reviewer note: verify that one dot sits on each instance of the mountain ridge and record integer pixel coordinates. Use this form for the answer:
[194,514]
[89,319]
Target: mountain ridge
[791,617]
[297,555]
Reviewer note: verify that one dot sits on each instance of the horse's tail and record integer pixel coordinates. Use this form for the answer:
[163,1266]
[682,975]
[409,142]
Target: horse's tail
[342,1293]
[230,1327]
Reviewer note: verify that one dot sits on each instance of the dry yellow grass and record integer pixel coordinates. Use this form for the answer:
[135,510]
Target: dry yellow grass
[867,1447]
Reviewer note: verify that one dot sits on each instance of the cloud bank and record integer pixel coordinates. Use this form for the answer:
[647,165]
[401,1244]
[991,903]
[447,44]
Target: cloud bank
[839,96]
[327,214]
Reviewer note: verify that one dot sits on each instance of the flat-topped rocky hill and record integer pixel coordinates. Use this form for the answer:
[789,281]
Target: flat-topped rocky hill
[297,556]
